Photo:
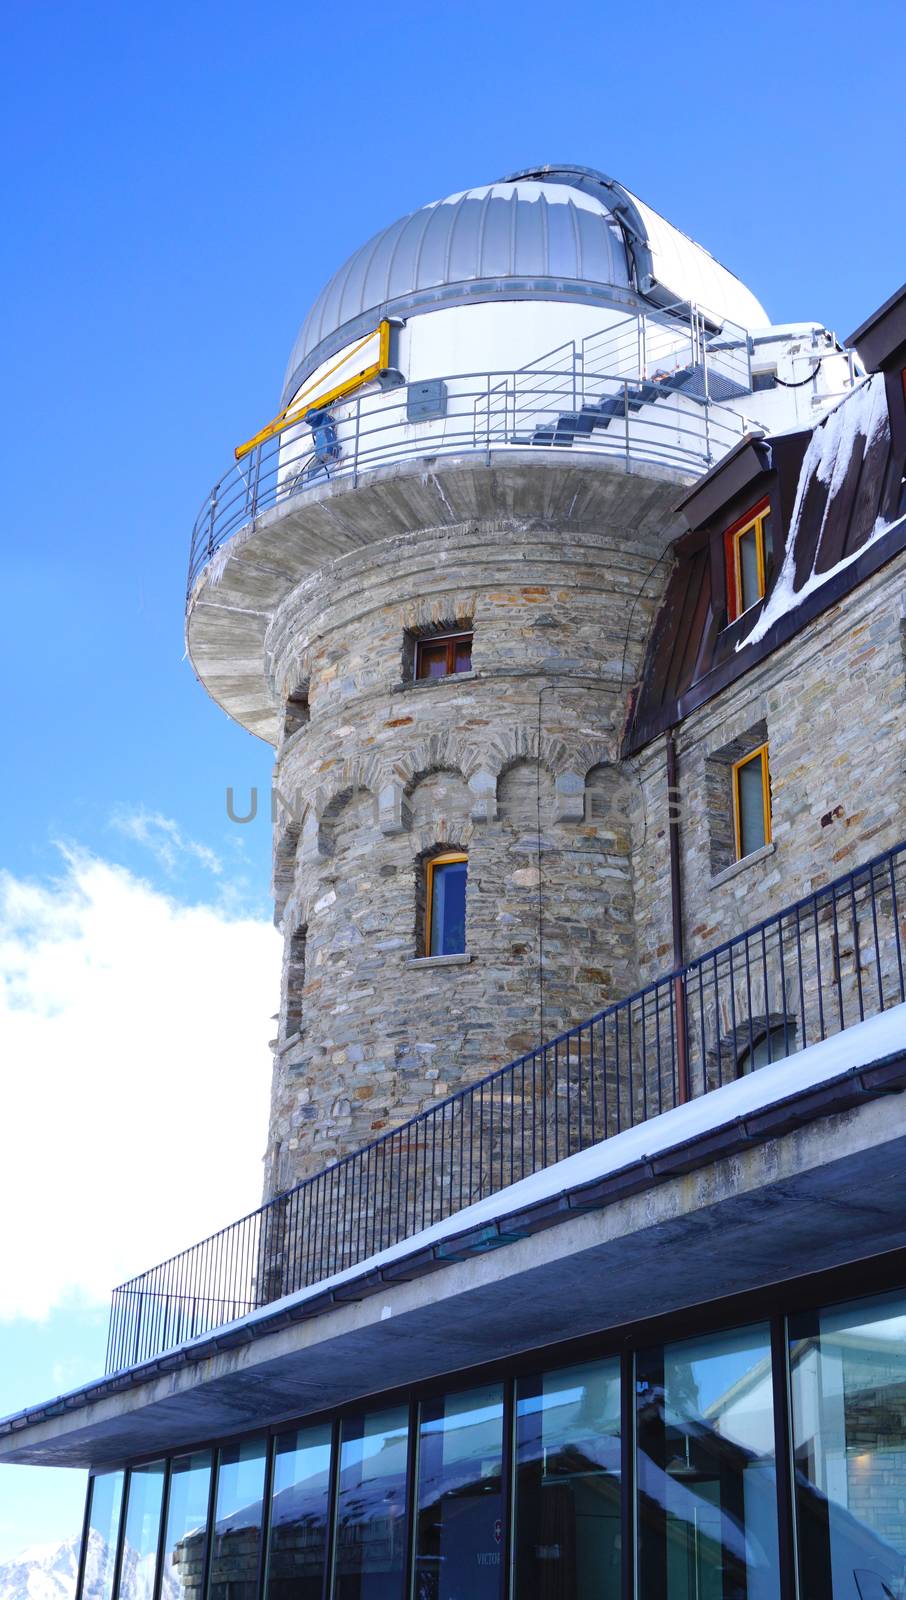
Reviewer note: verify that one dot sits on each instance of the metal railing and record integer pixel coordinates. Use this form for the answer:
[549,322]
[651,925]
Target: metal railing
[812,970]
[557,405]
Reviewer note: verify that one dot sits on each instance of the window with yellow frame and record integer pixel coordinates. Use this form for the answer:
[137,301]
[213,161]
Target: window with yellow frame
[752,802]
[445,904]
[749,553]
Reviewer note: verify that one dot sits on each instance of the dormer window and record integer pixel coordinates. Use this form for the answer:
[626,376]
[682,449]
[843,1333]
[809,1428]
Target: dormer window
[749,554]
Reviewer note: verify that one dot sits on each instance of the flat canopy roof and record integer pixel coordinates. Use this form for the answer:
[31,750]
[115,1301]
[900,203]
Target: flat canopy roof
[728,1193]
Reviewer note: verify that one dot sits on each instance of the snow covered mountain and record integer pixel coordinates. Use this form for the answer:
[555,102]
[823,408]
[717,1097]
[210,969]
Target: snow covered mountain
[44,1572]
[49,1572]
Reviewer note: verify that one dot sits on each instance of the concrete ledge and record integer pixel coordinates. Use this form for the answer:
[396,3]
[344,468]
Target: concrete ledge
[795,1169]
[736,867]
[440,961]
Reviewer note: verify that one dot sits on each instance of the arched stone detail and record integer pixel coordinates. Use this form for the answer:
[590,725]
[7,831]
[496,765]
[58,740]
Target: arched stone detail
[425,613]
[283,868]
[523,743]
[596,753]
[443,751]
[345,779]
[329,813]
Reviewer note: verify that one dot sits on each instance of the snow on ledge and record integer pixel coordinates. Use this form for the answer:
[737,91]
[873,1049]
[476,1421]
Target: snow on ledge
[858,1046]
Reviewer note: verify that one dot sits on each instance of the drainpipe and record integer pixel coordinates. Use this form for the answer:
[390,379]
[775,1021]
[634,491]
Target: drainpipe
[683,1087]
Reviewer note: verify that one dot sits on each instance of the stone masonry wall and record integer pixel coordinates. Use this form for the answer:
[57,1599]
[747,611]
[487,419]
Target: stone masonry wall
[831,704]
[515,762]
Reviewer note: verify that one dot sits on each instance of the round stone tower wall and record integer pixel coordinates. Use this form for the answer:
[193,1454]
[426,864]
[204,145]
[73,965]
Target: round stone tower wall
[515,763]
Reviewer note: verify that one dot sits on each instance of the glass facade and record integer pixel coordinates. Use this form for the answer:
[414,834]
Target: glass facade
[848,1369]
[653,1472]
[144,1504]
[105,1504]
[186,1532]
[459,1511]
[567,1531]
[707,1481]
[300,1509]
[236,1536]
[370,1544]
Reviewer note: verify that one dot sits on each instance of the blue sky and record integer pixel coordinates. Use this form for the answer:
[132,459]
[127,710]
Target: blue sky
[179,182]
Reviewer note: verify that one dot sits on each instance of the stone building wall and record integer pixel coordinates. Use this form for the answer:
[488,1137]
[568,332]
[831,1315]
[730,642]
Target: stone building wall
[516,762]
[832,702]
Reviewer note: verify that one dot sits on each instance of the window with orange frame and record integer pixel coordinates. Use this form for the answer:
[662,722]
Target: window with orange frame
[748,548]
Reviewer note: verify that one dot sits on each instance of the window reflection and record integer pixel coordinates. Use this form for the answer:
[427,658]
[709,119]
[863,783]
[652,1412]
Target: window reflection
[186,1532]
[567,1511]
[236,1540]
[849,1435]
[144,1500]
[707,1511]
[370,1553]
[299,1507]
[459,1530]
[106,1499]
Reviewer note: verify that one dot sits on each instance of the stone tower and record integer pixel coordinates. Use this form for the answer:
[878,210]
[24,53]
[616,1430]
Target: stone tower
[429,583]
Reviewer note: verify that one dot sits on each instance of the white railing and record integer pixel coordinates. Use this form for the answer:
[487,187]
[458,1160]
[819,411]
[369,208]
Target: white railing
[563,404]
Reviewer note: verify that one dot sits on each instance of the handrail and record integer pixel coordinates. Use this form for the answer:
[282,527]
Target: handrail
[602,413]
[811,970]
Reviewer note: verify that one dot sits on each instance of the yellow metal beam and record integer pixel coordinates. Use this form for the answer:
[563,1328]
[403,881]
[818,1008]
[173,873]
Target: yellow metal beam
[302,405]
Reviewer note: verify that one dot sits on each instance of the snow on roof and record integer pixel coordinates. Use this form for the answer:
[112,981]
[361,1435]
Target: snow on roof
[861,414]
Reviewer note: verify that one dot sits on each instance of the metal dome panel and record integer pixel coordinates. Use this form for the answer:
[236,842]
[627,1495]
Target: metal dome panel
[527,231]
[559,232]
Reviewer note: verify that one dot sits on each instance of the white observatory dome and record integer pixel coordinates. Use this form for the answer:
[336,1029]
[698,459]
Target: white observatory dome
[550,233]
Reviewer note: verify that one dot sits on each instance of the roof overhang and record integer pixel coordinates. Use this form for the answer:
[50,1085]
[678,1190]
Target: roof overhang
[796,1169]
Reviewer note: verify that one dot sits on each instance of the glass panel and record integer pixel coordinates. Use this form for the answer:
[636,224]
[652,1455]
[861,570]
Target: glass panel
[707,1511]
[236,1539]
[462,655]
[770,1047]
[299,1506]
[849,1435]
[750,799]
[448,909]
[459,1530]
[106,1496]
[567,1529]
[144,1500]
[432,660]
[187,1526]
[370,1549]
[747,556]
[767,540]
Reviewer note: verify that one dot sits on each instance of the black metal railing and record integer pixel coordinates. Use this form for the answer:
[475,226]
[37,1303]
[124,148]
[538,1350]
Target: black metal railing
[812,970]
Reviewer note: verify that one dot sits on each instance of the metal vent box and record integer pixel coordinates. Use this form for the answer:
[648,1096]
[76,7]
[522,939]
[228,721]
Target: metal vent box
[425,401]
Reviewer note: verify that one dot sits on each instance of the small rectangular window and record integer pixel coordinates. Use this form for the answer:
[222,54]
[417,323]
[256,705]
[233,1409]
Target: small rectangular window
[752,802]
[749,554]
[443,655]
[446,905]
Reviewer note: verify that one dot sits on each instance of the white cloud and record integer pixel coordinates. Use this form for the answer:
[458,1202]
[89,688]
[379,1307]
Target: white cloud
[165,839]
[134,1077]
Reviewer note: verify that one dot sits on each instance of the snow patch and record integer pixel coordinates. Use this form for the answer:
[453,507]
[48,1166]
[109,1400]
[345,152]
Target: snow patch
[862,412]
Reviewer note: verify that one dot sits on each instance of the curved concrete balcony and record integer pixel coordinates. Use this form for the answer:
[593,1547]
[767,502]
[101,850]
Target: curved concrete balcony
[637,424]
[528,445]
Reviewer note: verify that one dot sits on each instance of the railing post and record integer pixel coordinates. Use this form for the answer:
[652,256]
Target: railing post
[626,418]
[211,519]
[256,474]
[355,443]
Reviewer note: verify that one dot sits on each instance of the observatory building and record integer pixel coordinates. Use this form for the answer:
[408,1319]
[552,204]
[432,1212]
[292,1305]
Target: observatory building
[570,592]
